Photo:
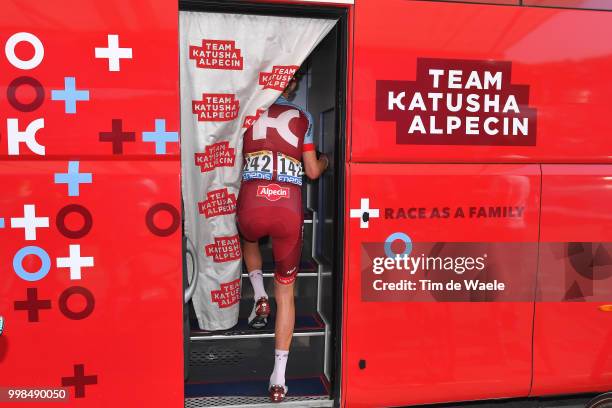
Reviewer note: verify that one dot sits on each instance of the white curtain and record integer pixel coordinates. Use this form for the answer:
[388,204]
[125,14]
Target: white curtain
[232,66]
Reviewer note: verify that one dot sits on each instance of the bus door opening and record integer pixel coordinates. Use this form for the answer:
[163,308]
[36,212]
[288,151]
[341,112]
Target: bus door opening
[233,366]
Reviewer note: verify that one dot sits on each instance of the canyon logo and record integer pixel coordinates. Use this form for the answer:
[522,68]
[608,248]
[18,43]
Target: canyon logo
[224,249]
[216,107]
[228,295]
[216,54]
[216,155]
[278,78]
[272,192]
[218,202]
[458,102]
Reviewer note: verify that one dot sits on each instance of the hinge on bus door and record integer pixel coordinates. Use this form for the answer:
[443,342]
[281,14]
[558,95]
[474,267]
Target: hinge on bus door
[362,364]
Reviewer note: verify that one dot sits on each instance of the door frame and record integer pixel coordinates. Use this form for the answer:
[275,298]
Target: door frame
[341,14]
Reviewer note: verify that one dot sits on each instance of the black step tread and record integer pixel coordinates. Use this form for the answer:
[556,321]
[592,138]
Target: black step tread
[309,386]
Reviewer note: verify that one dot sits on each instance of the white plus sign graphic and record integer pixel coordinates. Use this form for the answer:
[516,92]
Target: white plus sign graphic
[364,213]
[113,52]
[29,222]
[75,262]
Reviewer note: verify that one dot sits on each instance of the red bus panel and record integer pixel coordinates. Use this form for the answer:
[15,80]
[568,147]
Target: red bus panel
[90,221]
[573,337]
[552,62]
[417,352]
[98,288]
[586,4]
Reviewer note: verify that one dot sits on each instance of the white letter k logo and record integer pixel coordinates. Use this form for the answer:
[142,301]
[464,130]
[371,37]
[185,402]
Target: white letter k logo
[281,124]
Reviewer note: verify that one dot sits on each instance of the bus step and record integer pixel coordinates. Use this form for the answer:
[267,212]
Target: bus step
[257,402]
[299,275]
[305,325]
[309,391]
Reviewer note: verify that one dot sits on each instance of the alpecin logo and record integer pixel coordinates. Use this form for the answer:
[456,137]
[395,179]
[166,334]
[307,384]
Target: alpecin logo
[272,192]
[216,54]
[218,202]
[278,78]
[228,295]
[458,102]
[216,155]
[251,119]
[224,249]
[216,107]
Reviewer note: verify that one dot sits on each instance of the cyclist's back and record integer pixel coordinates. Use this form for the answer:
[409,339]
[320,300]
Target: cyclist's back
[270,198]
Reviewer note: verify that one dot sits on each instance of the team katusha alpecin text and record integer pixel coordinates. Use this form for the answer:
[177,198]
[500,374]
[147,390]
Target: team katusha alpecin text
[458,102]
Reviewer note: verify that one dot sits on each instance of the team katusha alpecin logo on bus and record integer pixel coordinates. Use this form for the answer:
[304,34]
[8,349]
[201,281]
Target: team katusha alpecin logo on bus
[458,102]
[217,54]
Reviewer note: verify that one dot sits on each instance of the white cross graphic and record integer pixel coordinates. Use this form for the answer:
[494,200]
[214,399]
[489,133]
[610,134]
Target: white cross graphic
[364,213]
[29,222]
[75,262]
[113,52]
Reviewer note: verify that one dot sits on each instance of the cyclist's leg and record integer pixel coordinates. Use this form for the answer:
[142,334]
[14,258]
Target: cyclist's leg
[287,247]
[251,255]
[252,227]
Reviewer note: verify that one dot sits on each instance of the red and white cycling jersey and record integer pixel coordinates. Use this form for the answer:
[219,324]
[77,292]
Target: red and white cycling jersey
[270,199]
[273,146]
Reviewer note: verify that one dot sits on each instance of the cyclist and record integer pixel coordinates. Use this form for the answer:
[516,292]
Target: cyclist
[277,150]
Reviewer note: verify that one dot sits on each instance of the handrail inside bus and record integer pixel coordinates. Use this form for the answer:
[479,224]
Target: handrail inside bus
[190,290]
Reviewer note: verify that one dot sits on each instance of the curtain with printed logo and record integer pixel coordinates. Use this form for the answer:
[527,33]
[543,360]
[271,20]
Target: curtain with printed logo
[232,68]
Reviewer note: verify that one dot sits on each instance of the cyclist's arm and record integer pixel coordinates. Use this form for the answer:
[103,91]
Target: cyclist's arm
[314,167]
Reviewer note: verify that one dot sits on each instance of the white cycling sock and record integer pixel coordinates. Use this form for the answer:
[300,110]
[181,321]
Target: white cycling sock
[256,278]
[280,362]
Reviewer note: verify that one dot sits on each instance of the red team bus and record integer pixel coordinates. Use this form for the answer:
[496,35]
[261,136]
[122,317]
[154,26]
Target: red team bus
[459,248]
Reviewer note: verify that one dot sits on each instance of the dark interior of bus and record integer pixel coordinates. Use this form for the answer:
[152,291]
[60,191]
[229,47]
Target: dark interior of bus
[232,367]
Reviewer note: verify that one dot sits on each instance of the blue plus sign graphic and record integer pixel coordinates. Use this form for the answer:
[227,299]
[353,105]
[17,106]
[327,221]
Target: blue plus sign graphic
[160,136]
[70,95]
[73,178]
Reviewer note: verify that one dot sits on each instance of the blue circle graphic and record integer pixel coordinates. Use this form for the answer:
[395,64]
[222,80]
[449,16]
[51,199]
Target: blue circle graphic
[394,237]
[31,276]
